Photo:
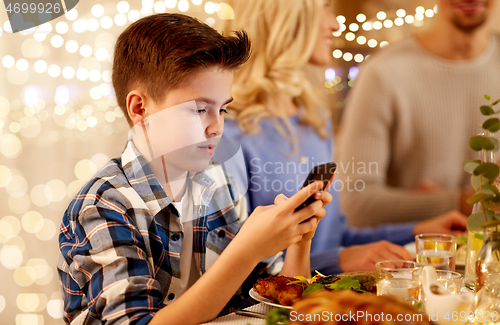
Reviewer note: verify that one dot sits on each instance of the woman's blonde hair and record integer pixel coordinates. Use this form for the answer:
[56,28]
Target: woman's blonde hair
[283,35]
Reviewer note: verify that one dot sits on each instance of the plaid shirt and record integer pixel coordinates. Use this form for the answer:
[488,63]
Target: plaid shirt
[120,240]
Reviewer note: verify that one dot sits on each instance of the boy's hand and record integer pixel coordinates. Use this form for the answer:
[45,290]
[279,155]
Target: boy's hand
[323,196]
[271,229]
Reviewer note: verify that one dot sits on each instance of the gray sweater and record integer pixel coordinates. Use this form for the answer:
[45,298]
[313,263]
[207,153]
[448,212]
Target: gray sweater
[409,117]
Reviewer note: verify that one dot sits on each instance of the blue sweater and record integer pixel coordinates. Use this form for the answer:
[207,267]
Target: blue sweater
[273,168]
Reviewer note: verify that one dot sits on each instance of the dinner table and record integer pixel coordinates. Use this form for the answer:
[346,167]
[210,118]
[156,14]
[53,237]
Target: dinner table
[262,308]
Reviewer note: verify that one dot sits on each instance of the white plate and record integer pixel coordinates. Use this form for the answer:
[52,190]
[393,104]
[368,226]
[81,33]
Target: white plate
[412,249]
[264,300]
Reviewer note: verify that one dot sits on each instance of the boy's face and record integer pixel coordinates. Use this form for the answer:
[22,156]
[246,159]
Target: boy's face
[184,130]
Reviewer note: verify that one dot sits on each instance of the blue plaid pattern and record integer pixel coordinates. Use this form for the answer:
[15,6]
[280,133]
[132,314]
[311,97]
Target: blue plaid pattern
[120,240]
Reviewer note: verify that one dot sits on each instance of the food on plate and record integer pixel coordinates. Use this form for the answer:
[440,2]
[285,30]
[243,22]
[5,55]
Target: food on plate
[332,305]
[286,290]
[281,289]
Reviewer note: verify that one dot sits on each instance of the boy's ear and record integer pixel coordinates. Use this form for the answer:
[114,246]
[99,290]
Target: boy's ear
[136,106]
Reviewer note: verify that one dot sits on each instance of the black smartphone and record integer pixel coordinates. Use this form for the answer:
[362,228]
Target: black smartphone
[324,173]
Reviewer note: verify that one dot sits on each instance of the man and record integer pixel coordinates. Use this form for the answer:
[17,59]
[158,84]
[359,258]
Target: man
[410,116]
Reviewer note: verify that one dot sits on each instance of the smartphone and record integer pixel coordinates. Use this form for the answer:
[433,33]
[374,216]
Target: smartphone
[324,173]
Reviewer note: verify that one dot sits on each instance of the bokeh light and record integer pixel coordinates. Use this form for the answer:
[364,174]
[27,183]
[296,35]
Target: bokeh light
[55,308]
[40,66]
[330,74]
[183,5]
[29,319]
[2,303]
[123,7]
[54,70]
[72,14]
[97,10]
[10,146]
[11,257]
[30,96]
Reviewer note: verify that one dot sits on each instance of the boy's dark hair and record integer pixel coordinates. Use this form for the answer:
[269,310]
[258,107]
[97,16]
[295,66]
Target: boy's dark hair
[158,52]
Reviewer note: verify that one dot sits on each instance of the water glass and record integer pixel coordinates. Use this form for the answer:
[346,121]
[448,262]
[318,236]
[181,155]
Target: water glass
[399,278]
[438,250]
[451,280]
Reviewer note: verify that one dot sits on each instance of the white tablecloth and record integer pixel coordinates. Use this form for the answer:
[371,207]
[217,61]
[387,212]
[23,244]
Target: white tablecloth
[233,319]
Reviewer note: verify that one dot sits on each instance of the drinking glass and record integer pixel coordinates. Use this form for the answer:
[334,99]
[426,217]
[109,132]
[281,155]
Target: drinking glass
[451,280]
[438,250]
[399,278]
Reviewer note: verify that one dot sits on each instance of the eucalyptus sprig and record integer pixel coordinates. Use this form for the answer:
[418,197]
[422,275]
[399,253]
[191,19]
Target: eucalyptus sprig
[484,173]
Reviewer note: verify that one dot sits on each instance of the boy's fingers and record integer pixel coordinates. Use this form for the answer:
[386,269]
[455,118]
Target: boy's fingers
[301,196]
[308,211]
[307,226]
[280,198]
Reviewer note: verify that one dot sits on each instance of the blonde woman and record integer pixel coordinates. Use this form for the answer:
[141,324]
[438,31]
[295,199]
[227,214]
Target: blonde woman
[284,131]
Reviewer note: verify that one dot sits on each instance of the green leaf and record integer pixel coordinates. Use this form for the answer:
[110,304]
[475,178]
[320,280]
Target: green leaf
[488,170]
[465,162]
[313,288]
[479,142]
[470,165]
[462,240]
[474,221]
[479,197]
[476,142]
[327,279]
[486,110]
[345,283]
[479,236]
[487,97]
[496,144]
[490,189]
[492,124]
[277,316]
[476,181]
[496,102]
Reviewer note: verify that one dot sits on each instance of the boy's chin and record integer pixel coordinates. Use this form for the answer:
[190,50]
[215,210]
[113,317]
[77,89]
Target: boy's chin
[198,165]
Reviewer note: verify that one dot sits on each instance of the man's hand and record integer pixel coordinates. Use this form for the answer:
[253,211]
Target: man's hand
[364,257]
[452,223]
[428,186]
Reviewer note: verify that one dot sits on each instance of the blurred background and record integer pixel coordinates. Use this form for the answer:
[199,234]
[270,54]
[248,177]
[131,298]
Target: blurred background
[60,123]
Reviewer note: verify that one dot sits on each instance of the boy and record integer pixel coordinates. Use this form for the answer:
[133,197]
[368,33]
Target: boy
[156,234]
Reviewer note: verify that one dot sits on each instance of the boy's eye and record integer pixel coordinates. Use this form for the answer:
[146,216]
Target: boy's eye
[223,110]
[199,111]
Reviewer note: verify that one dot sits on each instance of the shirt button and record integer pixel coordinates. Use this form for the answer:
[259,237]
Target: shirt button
[175,237]
[171,296]
[221,234]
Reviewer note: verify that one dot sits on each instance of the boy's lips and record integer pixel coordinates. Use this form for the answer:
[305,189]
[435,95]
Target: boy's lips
[210,148]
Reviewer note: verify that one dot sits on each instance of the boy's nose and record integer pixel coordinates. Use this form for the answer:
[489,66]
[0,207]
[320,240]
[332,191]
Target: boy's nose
[216,127]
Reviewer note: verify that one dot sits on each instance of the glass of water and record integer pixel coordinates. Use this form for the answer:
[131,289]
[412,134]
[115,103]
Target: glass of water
[450,280]
[399,278]
[438,250]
